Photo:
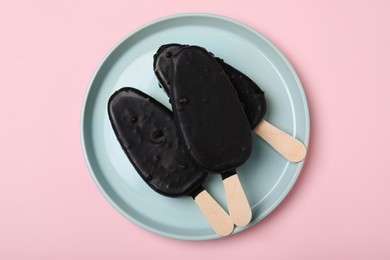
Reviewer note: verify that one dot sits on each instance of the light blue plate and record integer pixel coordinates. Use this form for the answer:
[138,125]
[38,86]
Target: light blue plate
[266,177]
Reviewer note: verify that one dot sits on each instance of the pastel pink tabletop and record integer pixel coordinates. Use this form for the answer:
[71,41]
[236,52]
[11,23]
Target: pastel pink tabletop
[50,205]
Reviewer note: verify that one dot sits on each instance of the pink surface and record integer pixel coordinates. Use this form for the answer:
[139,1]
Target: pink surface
[52,209]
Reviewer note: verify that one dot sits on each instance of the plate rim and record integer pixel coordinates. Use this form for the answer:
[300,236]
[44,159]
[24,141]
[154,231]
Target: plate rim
[227,19]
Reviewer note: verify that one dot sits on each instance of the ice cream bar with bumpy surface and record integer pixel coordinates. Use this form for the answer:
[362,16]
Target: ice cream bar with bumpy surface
[147,134]
[209,117]
[251,96]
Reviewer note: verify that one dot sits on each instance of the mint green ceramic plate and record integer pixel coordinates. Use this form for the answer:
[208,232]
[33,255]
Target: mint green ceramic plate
[266,177]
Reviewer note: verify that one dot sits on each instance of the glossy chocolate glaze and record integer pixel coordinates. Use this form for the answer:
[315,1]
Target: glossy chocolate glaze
[146,131]
[250,94]
[207,111]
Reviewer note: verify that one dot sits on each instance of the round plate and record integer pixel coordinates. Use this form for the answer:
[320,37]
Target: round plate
[266,177]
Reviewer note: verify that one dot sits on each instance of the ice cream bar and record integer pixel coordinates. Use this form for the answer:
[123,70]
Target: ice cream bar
[148,136]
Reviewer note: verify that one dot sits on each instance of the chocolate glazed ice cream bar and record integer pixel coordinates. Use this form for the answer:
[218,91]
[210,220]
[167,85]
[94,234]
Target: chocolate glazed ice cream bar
[147,133]
[210,120]
[251,96]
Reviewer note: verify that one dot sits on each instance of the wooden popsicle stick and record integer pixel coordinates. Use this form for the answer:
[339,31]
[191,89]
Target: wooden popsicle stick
[237,202]
[291,148]
[217,217]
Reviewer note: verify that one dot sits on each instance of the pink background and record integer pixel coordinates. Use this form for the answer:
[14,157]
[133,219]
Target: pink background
[52,209]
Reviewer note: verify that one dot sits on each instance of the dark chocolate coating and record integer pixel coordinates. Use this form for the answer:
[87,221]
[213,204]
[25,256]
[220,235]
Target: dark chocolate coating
[250,94]
[162,64]
[207,111]
[146,131]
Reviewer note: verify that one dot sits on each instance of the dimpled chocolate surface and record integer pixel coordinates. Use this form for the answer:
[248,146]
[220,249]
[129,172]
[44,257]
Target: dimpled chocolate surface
[207,112]
[249,93]
[146,131]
